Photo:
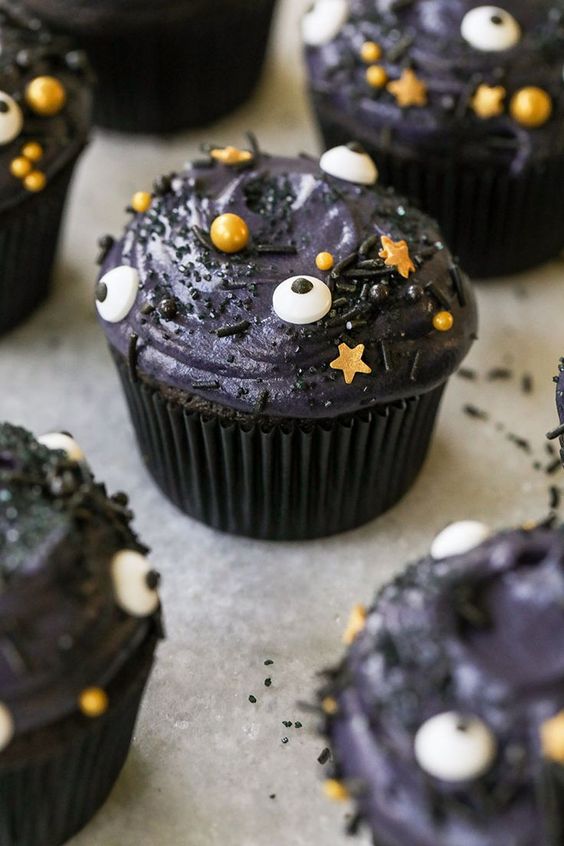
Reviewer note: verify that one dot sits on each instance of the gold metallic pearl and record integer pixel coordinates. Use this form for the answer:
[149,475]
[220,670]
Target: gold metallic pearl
[335,790]
[443,321]
[531,107]
[32,151]
[45,95]
[93,702]
[20,167]
[324,261]
[330,705]
[370,52]
[141,201]
[35,181]
[229,233]
[376,76]
[552,738]
[357,621]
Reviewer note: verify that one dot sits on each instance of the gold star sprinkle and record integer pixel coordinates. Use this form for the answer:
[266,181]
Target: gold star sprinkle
[350,362]
[396,254]
[230,155]
[487,102]
[357,621]
[408,90]
[552,738]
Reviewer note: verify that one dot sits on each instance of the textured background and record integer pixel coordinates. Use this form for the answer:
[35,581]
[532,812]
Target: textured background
[205,761]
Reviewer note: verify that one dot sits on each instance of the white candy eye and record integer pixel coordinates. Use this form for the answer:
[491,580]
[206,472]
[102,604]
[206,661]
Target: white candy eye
[490,28]
[455,748]
[301,300]
[6,727]
[60,441]
[135,583]
[350,163]
[459,538]
[116,292]
[324,21]
[11,118]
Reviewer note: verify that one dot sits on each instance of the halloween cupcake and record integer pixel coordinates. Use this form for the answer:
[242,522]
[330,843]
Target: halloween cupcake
[79,622]
[167,65]
[462,108]
[446,717]
[284,330]
[44,124]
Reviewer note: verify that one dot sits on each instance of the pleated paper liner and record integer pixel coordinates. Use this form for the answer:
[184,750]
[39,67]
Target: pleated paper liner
[182,73]
[29,234]
[54,781]
[279,480]
[495,221]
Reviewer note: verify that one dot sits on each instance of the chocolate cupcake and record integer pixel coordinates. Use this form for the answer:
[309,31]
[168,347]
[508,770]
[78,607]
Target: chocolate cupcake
[44,123]
[168,65]
[446,717]
[79,622]
[461,106]
[284,330]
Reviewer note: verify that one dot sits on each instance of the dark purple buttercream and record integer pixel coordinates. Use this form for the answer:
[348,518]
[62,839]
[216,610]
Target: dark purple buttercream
[480,634]
[282,367]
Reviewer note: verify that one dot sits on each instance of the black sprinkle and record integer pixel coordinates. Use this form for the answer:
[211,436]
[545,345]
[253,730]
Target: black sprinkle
[324,756]
[467,373]
[368,244]
[343,265]
[252,699]
[556,433]
[206,386]
[553,467]
[527,383]
[284,740]
[203,237]
[287,723]
[474,411]
[415,366]
[132,356]
[260,406]
[272,796]
[105,243]
[457,283]
[287,249]
[268,662]
[298,725]
[385,356]
[234,329]
[268,682]
[499,374]
[438,294]
[555,497]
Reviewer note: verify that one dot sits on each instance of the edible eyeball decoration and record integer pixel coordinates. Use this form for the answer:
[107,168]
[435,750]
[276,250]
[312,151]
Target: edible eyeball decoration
[301,300]
[6,727]
[11,118]
[455,748]
[324,21]
[459,538]
[490,28]
[60,441]
[116,293]
[135,583]
[351,163]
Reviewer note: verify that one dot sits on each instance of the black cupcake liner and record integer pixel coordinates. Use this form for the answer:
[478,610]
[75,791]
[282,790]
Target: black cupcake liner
[29,234]
[53,781]
[171,75]
[495,221]
[279,480]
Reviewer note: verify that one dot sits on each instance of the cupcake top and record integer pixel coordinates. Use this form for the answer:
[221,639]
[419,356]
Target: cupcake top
[77,595]
[446,716]
[293,287]
[45,104]
[440,74]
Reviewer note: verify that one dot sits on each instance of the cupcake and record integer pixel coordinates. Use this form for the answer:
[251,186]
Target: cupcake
[168,65]
[44,123]
[284,330]
[446,717]
[79,622]
[461,106]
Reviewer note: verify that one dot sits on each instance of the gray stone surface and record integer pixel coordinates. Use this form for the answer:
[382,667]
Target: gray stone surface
[204,760]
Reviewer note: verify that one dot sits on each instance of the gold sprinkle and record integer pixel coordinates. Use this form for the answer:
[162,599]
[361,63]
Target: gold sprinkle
[93,702]
[443,321]
[350,362]
[45,95]
[35,181]
[231,155]
[141,202]
[408,90]
[396,254]
[376,76]
[32,150]
[324,261]
[330,706]
[20,167]
[531,107]
[335,790]
[552,738]
[229,233]
[355,625]
[370,52]
[487,102]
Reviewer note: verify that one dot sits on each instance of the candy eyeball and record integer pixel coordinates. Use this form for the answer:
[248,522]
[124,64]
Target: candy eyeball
[301,300]
[490,28]
[6,726]
[116,293]
[135,583]
[324,21]
[455,748]
[64,443]
[350,163]
[459,538]
[11,118]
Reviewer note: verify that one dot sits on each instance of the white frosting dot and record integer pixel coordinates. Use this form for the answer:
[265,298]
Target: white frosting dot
[133,594]
[301,300]
[116,293]
[6,726]
[324,21]
[490,28]
[459,538]
[455,748]
[60,441]
[11,118]
[350,165]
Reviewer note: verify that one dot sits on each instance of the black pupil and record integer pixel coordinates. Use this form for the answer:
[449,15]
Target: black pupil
[301,286]
[101,291]
[497,20]
[4,107]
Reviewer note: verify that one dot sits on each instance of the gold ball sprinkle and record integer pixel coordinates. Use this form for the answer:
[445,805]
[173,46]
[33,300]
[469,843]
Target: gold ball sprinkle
[35,181]
[93,702]
[370,52]
[324,261]
[229,233]
[32,151]
[443,321]
[335,790]
[355,625]
[376,76]
[531,107]
[20,167]
[45,95]
[330,705]
[141,201]
[552,738]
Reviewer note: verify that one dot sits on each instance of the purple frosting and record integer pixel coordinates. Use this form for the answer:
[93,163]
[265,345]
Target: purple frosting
[479,634]
[281,367]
